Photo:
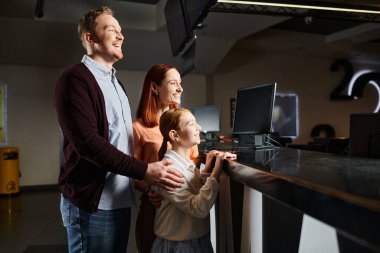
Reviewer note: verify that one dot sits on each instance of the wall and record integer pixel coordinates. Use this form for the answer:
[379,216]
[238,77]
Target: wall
[32,122]
[32,125]
[308,76]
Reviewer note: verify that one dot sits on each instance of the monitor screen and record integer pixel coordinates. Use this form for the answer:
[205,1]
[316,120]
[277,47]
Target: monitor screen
[178,26]
[254,107]
[365,135]
[208,117]
[285,115]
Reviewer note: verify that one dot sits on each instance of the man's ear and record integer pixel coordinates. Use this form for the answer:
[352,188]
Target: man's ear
[173,135]
[89,38]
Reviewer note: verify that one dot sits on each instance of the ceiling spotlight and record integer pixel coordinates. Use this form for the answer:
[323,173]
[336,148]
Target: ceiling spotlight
[308,20]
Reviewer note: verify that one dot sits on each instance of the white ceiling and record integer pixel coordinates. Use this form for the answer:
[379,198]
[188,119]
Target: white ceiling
[146,39]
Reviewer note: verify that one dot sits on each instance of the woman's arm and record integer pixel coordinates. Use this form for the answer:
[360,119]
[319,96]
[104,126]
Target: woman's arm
[137,152]
[194,155]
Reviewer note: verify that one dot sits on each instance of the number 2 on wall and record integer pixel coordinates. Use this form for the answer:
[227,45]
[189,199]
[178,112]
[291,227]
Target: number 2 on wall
[355,84]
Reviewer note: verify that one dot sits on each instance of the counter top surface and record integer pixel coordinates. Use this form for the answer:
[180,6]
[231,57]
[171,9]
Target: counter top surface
[352,179]
[341,191]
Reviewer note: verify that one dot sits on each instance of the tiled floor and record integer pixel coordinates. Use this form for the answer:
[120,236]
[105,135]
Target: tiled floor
[31,223]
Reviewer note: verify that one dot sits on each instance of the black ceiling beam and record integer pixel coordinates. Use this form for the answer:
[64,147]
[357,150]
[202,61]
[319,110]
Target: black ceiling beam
[39,11]
[142,1]
[294,12]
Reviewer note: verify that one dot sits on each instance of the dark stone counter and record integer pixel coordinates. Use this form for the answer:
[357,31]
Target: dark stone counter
[342,192]
[353,180]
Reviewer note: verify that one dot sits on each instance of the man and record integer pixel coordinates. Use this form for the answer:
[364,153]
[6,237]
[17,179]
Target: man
[95,118]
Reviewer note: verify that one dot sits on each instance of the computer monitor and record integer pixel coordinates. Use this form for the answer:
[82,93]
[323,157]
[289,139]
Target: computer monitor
[182,17]
[177,23]
[208,117]
[365,135]
[254,107]
[197,11]
[285,115]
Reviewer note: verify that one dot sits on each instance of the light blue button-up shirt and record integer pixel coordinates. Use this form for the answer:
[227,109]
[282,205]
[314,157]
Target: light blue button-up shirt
[117,192]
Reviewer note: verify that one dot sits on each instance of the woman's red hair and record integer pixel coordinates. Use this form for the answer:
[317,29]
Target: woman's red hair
[148,105]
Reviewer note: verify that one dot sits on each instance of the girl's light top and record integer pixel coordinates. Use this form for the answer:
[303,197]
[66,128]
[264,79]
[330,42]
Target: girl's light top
[184,213]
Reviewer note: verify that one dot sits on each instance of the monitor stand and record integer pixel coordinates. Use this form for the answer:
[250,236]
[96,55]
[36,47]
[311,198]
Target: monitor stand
[209,137]
[252,140]
[259,140]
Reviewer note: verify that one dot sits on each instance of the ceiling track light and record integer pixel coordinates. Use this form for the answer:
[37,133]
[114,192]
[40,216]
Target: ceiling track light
[345,8]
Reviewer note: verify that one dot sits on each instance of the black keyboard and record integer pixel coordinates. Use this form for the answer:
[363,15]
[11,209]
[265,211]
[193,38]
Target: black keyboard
[231,147]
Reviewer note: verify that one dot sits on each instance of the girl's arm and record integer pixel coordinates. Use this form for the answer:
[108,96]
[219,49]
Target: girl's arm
[210,161]
[198,205]
[221,156]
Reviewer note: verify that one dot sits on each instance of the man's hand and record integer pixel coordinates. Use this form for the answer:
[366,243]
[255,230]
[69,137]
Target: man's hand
[160,175]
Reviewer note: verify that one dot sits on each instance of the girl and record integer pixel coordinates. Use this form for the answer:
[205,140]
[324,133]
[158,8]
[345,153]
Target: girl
[182,222]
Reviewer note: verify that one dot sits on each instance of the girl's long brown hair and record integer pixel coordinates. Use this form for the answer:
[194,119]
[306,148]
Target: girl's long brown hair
[148,105]
[169,121]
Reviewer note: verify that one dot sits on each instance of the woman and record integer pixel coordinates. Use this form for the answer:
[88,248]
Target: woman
[162,91]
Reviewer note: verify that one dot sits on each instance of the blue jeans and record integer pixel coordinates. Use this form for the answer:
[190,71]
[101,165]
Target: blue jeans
[198,245]
[102,231]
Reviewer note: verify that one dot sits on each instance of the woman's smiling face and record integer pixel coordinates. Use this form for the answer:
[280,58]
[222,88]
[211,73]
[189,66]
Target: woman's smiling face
[170,89]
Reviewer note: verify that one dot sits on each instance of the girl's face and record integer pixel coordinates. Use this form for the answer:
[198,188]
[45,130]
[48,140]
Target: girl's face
[170,90]
[188,130]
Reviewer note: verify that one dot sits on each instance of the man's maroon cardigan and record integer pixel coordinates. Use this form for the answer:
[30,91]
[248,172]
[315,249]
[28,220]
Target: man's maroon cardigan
[88,153]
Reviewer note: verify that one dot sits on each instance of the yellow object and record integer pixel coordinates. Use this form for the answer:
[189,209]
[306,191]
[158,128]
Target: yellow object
[9,170]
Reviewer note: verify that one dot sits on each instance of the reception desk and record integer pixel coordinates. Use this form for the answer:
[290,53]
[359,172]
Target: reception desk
[289,200]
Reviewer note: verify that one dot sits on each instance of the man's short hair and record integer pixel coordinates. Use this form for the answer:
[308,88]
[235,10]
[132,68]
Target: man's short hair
[87,23]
